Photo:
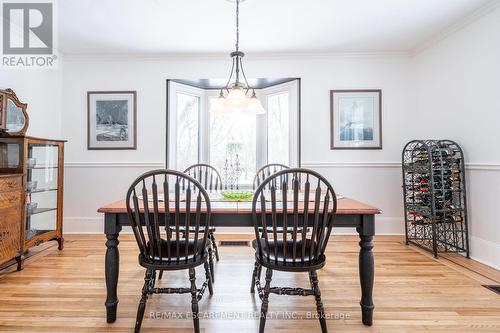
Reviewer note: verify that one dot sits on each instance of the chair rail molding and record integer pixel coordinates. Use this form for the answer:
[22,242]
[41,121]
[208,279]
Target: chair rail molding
[468,166]
[142,165]
[93,165]
[351,164]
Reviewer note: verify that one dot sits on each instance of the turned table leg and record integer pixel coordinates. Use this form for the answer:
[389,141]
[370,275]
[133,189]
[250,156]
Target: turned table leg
[112,265]
[366,268]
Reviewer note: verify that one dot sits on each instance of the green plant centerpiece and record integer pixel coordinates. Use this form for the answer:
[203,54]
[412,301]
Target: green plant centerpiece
[237,195]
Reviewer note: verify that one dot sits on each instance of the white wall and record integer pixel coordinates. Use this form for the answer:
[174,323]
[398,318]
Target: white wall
[92,178]
[457,84]
[41,90]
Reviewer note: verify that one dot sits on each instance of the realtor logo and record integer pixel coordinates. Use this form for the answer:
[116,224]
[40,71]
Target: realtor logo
[28,34]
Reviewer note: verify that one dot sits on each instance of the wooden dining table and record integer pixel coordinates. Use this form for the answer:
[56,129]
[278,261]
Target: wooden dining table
[350,213]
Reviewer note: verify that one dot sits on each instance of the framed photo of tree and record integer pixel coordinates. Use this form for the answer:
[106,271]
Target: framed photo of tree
[356,119]
[112,117]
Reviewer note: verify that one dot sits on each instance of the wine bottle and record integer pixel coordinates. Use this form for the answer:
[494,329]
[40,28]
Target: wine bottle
[446,152]
[456,218]
[420,219]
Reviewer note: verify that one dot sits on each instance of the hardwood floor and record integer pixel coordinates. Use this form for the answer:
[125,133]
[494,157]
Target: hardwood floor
[65,292]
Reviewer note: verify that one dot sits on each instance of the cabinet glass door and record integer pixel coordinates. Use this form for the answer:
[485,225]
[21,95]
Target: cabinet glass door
[10,156]
[42,184]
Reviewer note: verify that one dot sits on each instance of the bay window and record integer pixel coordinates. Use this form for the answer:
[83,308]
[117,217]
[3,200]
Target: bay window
[195,135]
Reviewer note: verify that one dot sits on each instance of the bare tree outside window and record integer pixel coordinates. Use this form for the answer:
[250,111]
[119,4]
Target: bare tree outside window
[229,130]
[278,125]
[246,140]
[188,108]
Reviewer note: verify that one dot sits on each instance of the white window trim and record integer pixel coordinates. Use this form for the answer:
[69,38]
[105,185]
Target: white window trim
[292,89]
[206,147]
[174,89]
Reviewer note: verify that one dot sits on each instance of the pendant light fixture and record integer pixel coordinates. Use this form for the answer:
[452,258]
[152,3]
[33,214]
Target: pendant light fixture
[237,96]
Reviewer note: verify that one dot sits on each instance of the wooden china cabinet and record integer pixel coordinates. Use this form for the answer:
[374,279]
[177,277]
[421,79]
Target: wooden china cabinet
[31,184]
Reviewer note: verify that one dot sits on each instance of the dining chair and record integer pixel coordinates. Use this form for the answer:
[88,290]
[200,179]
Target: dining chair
[266,171]
[211,181]
[306,198]
[151,203]
[206,175]
[261,175]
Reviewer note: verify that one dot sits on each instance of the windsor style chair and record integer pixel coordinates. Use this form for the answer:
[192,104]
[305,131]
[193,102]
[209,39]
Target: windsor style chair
[261,175]
[305,198]
[266,171]
[206,175]
[149,206]
[211,180]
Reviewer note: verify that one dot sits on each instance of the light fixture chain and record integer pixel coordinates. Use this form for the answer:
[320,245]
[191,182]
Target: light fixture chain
[237,25]
[237,91]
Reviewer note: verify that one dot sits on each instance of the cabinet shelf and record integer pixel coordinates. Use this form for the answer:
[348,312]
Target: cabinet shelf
[40,211]
[42,190]
[42,167]
[32,233]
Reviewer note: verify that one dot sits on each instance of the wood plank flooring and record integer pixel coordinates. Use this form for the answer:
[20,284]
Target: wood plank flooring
[65,292]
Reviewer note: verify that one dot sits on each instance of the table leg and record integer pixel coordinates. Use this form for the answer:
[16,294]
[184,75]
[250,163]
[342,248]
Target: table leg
[112,265]
[366,267]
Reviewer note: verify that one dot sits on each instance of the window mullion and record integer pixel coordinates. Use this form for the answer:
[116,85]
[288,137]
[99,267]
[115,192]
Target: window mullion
[261,134]
[204,136]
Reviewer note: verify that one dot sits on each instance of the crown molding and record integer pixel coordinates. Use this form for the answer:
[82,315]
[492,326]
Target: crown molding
[463,22]
[113,57]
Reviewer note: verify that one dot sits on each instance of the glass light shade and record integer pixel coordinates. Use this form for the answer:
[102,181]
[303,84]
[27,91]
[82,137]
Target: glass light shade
[219,105]
[237,101]
[236,105]
[254,106]
[236,94]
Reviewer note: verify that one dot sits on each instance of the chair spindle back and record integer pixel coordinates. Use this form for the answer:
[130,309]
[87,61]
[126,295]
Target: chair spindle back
[304,198]
[206,175]
[157,199]
[266,171]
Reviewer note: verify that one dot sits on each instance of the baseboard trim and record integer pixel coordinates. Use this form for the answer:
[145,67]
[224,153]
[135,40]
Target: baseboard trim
[490,251]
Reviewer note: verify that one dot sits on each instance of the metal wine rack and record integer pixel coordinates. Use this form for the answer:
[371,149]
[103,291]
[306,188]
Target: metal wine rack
[435,199]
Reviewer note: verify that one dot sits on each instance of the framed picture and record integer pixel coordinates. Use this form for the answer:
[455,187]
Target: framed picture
[112,117]
[356,119]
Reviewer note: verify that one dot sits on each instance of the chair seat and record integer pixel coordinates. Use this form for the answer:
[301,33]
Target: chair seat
[193,229]
[269,260]
[186,258]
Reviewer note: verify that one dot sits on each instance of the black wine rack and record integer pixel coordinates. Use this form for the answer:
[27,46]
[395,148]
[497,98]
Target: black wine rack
[435,200]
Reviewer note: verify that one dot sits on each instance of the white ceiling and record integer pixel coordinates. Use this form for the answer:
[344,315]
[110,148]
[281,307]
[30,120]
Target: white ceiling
[267,26]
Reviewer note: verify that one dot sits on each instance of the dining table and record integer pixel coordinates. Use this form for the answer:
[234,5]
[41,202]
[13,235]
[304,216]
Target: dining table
[350,214]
